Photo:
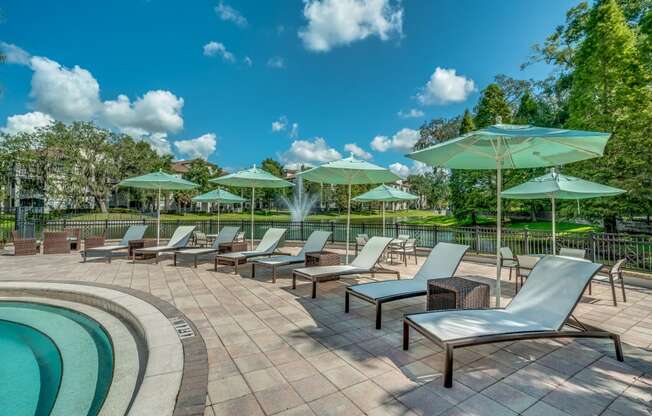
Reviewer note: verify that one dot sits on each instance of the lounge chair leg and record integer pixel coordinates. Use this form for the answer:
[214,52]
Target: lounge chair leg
[273,274]
[406,336]
[415,256]
[448,367]
[235,267]
[110,257]
[294,281]
[216,263]
[590,287]
[253,270]
[346,302]
[618,346]
[174,261]
[379,314]
[84,257]
[314,289]
[156,258]
[613,288]
[622,286]
[195,261]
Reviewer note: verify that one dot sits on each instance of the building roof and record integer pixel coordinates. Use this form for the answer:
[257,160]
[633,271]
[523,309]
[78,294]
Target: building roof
[183,166]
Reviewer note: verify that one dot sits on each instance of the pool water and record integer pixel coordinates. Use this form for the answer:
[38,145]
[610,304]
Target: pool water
[55,361]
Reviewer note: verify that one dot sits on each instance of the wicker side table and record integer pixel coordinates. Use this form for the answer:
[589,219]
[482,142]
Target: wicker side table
[233,247]
[136,244]
[457,293]
[324,258]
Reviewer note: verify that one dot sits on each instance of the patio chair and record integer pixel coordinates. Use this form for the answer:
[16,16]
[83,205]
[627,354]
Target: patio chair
[579,253]
[315,244]
[365,262]
[24,246]
[240,238]
[134,232]
[360,241]
[266,247]
[507,259]
[226,235]
[178,240]
[200,239]
[442,262]
[402,248]
[541,309]
[615,273]
[56,242]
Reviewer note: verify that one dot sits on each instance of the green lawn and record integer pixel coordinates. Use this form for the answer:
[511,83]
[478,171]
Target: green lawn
[450,221]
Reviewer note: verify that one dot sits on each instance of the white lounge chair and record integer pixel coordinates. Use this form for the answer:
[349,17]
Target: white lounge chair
[315,244]
[178,240]
[226,235]
[365,262]
[134,232]
[540,310]
[266,247]
[442,262]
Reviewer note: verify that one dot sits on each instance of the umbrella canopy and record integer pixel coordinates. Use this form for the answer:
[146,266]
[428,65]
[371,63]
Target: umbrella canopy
[349,171]
[384,193]
[219,196]
[252,178]
[159,181]
[555,186]
[507,146]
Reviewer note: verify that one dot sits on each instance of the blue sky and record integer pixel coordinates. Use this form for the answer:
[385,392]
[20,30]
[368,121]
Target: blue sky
[210,78]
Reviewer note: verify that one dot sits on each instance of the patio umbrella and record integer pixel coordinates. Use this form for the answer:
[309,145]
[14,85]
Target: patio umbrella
[508,146]
[252,178]
[158,181]
[219,196]
[384,193]
[555,186]
[349,171]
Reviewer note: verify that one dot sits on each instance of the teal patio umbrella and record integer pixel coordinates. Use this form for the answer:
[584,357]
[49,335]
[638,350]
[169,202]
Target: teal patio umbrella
[252,178]
[159,181]
[219,196]
[349,171]
[555,186]
[384,193]
[508,146]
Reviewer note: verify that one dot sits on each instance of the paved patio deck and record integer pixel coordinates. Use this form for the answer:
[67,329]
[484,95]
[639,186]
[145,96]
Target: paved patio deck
[273,350]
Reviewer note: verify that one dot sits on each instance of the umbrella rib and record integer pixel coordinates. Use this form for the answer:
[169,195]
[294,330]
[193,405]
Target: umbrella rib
[580,149]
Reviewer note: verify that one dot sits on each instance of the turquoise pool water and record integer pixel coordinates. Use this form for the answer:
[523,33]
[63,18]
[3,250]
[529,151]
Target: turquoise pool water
[54,361]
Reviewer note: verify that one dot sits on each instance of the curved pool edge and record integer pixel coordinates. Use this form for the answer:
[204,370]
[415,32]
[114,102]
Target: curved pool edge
[169,386]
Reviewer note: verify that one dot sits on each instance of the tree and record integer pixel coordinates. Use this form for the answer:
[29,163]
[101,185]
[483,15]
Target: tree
[275,168]
[528,110]
[492,107]
[433,186]
[436,131]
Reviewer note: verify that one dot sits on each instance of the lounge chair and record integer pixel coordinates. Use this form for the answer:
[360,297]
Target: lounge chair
[540,310]
[134,232]
[365,262]
[442,262]
[315,244]
[265,247]
[227,235]
[178,240]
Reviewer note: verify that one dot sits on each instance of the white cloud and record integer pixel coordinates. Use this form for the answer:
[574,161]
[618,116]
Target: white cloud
[400,169]
[65,94]
[247,60]
[418,168]
[357,151]
[213,48]
[229,14]
[201,147]
[334,23]
[411,113]
[158,141]
[294,131]
[27,123]
[14,54]
[444,87]
[309,152]
[403,140]
[276,62]
[280,124]
[157,111]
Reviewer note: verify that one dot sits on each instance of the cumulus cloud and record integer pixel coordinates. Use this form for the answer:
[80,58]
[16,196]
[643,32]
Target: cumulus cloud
[403,140]
[357,151]
[213,48]
[14,54]
[418,168]
[229,14]
[411,113]
[157,111]
[65,94]
[294,131]
[280,124]
[27,123]
[306,152]
[276,62]
[332,23]
[200,147]
[444,87]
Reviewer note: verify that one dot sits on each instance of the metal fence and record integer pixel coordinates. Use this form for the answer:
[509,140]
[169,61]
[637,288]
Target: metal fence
[600,247]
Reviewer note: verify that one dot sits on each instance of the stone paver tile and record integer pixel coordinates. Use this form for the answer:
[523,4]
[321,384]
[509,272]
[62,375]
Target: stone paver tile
[326,361]
[335,404]
[423,401]
[535,380]
[573,403]
[296,370]
[628,407]
[480,405]
[510,397]
[227,389]
[456,394]
[313,387]
[264,379]
[253,362]
[367,395]
[282,355]
[278,399]
[344,376]
[476,380]
[420,372]
[303,410]
[245,405]
[391,408]
[544,409]
[395,382]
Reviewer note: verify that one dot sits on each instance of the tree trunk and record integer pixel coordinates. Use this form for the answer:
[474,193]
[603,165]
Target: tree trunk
[474,218]
[102,203]
[610,223]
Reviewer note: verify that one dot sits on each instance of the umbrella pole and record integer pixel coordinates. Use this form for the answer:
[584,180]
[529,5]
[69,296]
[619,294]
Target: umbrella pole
[218,216]
[348,224]
[384,232]
[158,217]
[499,213]
[554,242]
[253,192]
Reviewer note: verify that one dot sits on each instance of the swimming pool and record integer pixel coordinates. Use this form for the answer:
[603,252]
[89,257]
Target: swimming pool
[55,361]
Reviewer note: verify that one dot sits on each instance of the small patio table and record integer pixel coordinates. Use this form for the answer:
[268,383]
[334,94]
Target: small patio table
[457,293]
